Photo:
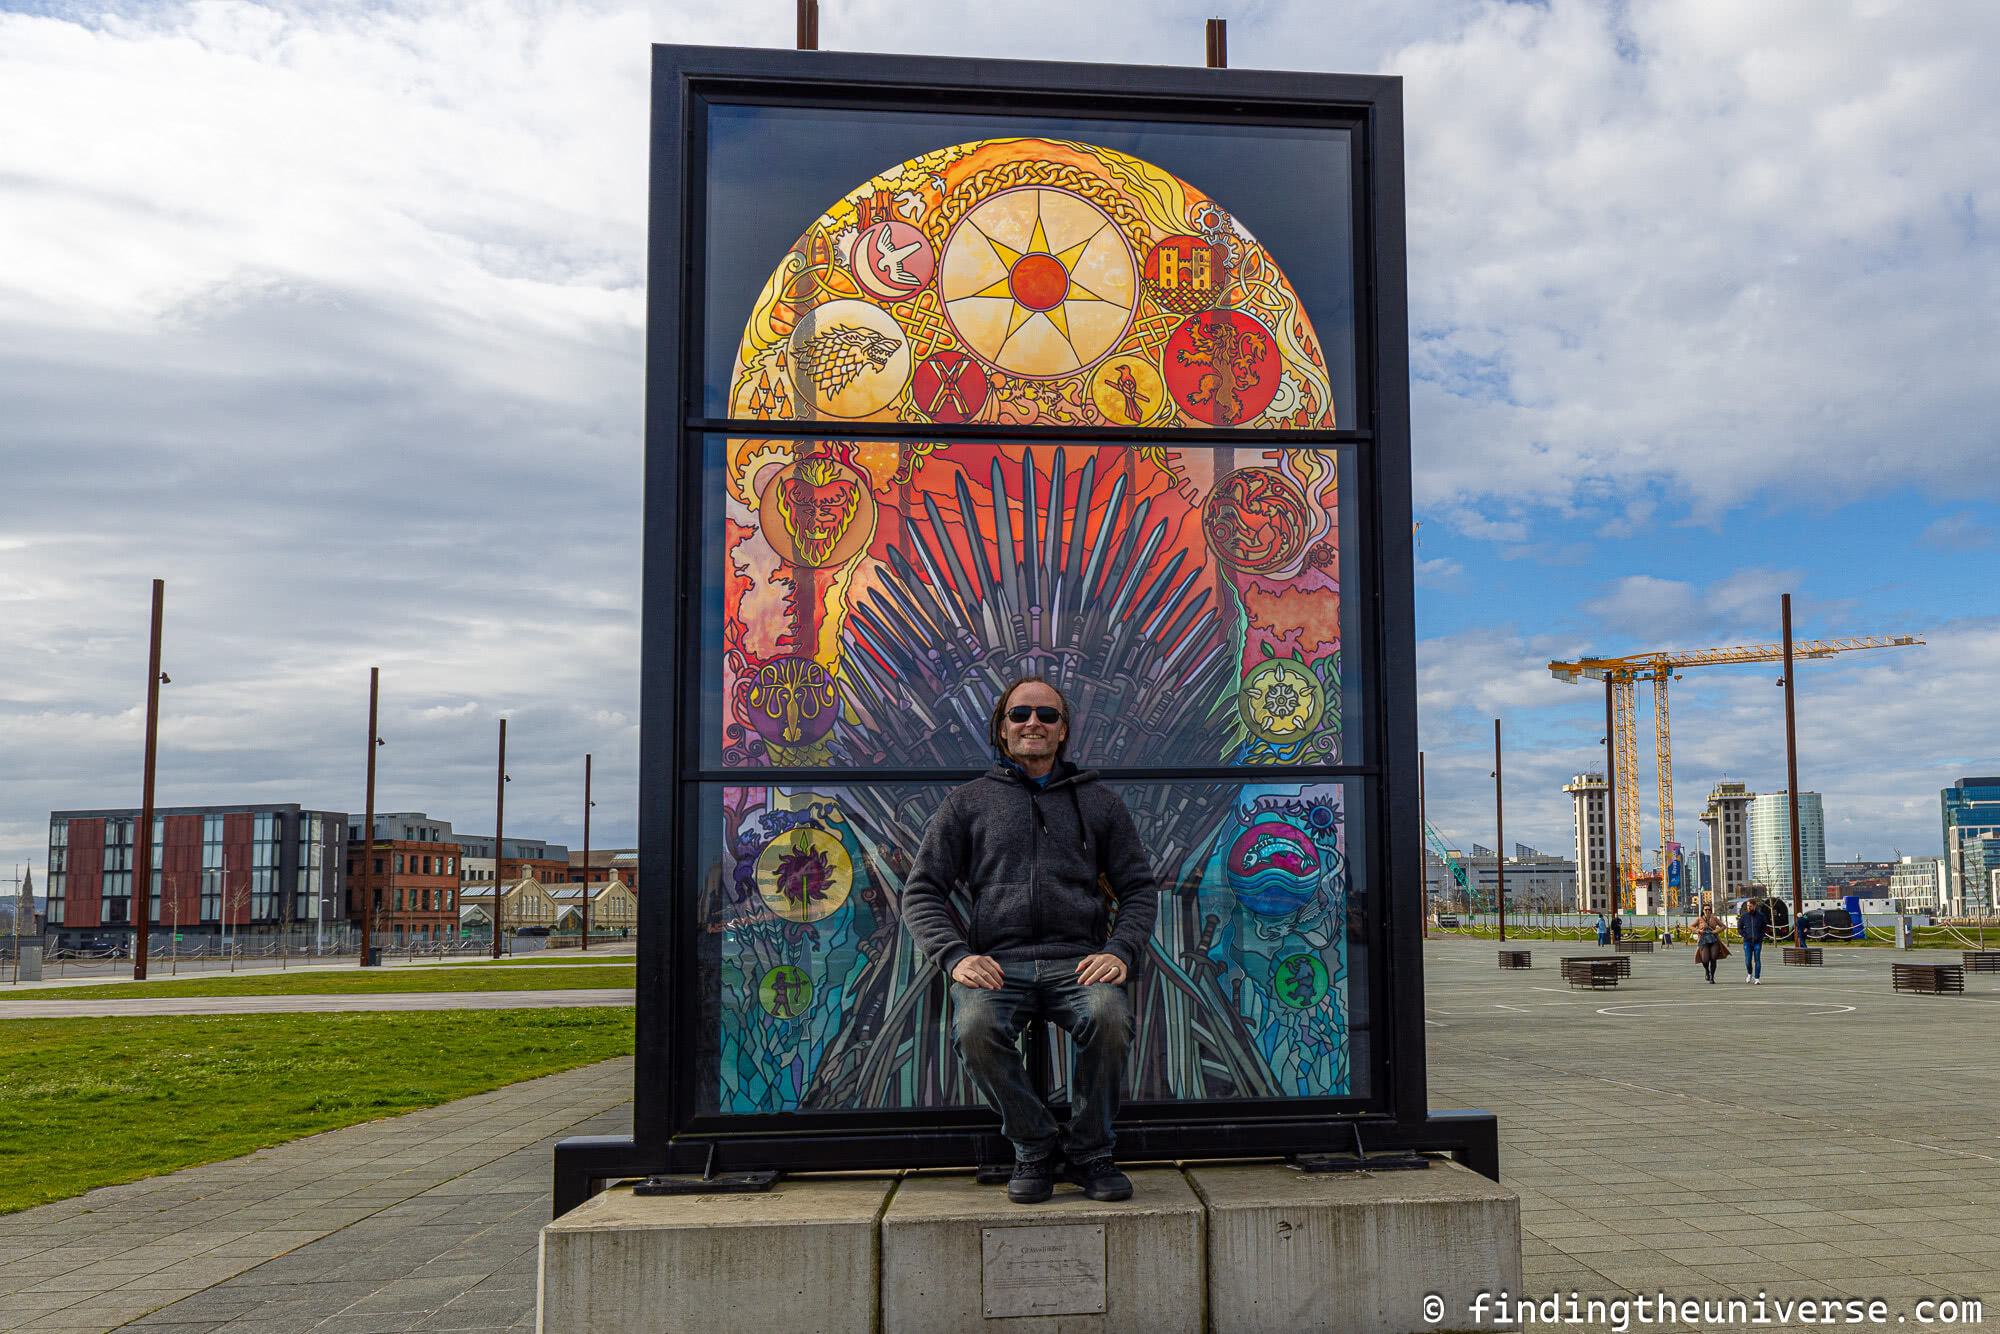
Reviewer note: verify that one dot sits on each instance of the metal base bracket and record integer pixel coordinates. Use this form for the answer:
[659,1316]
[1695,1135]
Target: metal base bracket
[1359,1161]
[1345,1162]
[723,1183]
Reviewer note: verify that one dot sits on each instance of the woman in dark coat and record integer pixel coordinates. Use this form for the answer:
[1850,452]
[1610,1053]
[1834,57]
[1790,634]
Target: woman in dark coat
[1709,949]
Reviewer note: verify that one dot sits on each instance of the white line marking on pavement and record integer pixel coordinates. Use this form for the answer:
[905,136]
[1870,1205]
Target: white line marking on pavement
[1629,1010]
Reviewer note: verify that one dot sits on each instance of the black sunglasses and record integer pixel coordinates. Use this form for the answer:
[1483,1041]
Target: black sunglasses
[1047,713]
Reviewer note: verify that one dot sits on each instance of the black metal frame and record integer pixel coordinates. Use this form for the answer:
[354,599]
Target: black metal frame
[668,1136]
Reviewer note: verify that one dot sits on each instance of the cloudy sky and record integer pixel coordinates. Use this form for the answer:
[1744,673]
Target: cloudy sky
[330,315]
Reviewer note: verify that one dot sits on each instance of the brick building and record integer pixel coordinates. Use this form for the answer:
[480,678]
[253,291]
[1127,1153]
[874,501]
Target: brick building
[546,863]
[246,872]
[411,873]
[606,865]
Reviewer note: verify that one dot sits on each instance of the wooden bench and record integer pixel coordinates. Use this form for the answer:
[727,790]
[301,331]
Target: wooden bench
[1982,961]
[1598,973]
[1928,979]
[1809,956]
[1516,959]
[1634,947]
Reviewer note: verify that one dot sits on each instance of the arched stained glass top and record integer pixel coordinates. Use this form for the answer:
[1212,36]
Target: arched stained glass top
[1031,282]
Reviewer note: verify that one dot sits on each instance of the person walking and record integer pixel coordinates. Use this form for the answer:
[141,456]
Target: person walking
[1063,899]
[1753,923]
[1603,931]
[1617,927]
[1709,949]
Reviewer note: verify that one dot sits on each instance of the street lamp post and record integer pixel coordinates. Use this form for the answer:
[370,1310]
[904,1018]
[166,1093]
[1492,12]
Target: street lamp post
[143,853]
[367,884]
[1499,835]
[587,804]
[1792,778]
[499,837]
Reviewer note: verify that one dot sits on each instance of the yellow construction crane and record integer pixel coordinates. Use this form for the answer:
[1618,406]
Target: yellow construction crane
[1624,674]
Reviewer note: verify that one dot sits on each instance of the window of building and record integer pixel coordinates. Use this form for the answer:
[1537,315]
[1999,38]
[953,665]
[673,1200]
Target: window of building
[57,887]
[212,868]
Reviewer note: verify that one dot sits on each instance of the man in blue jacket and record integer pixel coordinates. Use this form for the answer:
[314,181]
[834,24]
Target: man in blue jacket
[1046,853]
[1753,923]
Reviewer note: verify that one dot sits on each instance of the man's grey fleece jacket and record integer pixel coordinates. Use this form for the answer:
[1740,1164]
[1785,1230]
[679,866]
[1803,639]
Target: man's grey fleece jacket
[1030,858]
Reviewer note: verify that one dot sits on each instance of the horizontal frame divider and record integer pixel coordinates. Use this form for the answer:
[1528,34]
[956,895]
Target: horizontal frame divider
[1021,435]
[1242,776]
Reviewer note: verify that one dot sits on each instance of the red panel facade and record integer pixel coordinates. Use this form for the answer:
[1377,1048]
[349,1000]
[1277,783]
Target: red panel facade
[180,873]
[83,903]
[237,834]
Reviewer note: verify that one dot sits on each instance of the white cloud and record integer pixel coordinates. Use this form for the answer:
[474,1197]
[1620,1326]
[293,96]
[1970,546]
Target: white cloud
[1731,247]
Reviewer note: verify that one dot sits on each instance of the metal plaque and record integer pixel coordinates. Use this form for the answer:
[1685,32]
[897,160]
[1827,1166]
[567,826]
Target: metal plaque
[1043,1270]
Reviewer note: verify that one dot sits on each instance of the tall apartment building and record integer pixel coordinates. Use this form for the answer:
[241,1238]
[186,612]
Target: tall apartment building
[252,870]
[1591,822]
[1971,811]
[1771,844]
[1727,819]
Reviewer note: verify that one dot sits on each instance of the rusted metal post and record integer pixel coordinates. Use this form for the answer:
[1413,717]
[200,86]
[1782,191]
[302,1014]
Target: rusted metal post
[368,822]
[1611,803]
[586,852]
[1792,778]
[1499,834]
[143,843]
[499,838]
[808,25]
[1218,43]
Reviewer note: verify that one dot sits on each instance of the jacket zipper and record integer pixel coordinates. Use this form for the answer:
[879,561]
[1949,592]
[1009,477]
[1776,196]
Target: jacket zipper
[1035,833]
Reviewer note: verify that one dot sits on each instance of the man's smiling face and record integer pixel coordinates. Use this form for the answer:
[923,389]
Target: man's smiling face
[1034,740]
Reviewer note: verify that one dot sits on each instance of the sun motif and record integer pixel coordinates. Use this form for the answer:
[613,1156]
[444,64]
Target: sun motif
[1038,282]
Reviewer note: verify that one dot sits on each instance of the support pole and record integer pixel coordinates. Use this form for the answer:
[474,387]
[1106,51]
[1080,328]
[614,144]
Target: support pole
[1792,778]
[500,839]
[586,852]
[368,822]
[1499,834]
[808,25]
[1423,848]
[143,843]
[1218,43]
[1610,802]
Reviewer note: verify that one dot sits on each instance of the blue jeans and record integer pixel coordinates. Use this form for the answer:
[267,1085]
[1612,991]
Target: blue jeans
[985,1026]
[1753,957]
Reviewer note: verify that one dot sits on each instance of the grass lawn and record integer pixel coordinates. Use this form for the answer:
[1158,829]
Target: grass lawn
[92,1102]
[340,982]
[596,956]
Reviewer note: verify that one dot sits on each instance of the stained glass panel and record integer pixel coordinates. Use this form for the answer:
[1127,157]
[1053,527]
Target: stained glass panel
[866,602]
[1014,271]
[1255,986]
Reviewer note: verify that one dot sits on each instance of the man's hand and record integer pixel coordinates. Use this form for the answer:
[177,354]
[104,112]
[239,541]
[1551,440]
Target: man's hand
[977,970]
[1094,968]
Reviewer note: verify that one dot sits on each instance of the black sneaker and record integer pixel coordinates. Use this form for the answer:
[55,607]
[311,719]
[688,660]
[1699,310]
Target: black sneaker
[1033,1183]
[1100,1179]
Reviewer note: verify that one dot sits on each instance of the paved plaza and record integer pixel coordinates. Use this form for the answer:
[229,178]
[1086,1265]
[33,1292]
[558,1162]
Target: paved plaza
[1814,1136]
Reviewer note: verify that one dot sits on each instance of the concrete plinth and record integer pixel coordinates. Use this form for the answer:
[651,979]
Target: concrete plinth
[948,1259]
[1358,1253]
[800,1257]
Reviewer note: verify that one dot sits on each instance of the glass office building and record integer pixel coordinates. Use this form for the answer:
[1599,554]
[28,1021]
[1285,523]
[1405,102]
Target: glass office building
[1971,811]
